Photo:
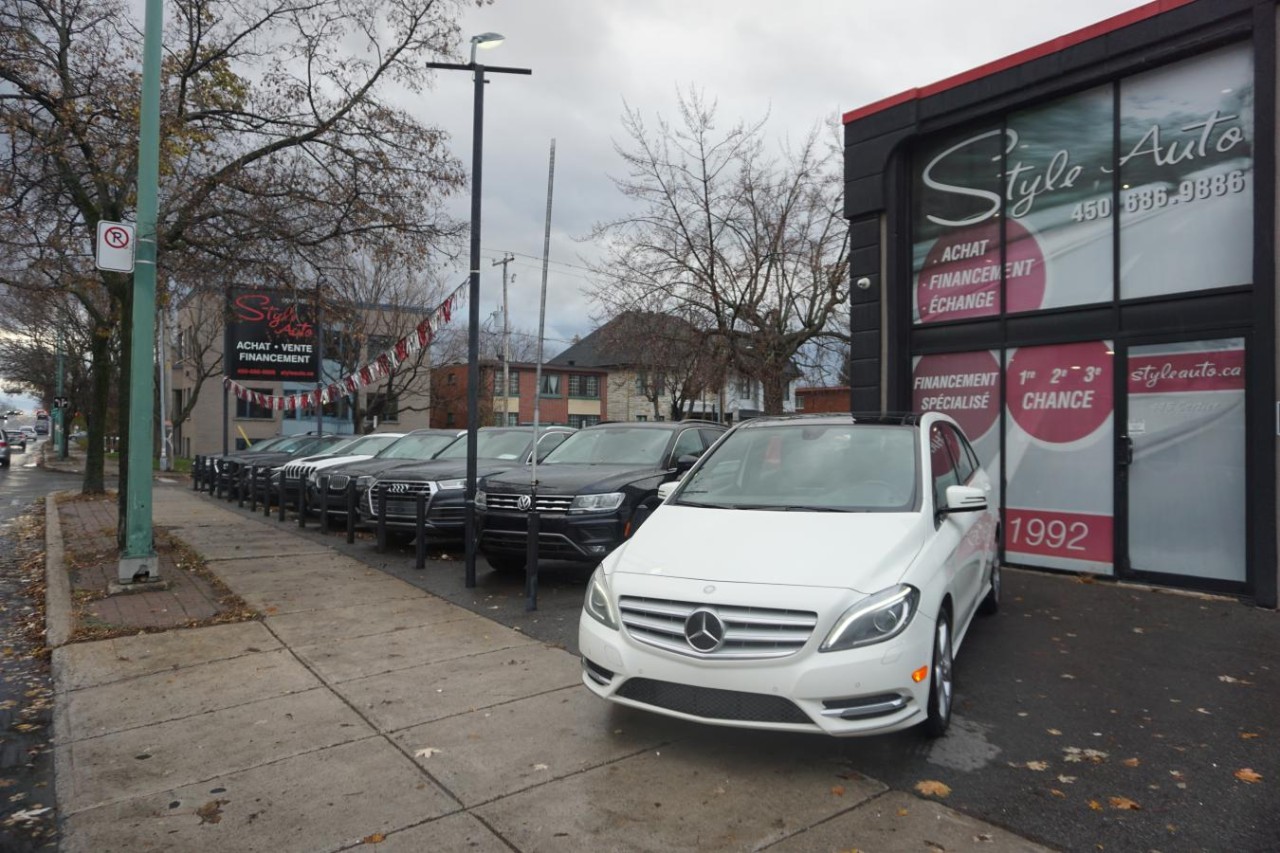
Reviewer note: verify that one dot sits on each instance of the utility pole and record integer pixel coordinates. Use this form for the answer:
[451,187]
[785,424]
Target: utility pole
[506,337]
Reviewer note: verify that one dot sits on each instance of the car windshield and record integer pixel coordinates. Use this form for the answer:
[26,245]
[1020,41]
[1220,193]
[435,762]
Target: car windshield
[612,445]
[793,466]
[492,444]
[424,446]
[270,443]
[365,445]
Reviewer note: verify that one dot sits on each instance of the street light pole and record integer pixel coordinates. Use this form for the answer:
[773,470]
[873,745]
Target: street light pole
[483,40]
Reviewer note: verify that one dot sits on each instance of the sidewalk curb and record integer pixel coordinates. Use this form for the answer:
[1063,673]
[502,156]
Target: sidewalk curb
[57,613]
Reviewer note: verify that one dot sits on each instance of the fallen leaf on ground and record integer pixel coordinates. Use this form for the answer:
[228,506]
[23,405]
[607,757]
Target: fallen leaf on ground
[426,752]
[902,812]
[1131,762]
[540,767]
[1095,805]
[1246,774]
[932,788]
[211,812]
[1068,676]
[1067,780]
[837,790]
[1038,766]
[1053,732]
[1226,679]
[1057,793]
[1248,735]
[1075,754]
[1203,711]
[376,838]
[1124,803]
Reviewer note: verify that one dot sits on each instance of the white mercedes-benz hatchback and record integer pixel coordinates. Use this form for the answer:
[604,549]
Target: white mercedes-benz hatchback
[809,573]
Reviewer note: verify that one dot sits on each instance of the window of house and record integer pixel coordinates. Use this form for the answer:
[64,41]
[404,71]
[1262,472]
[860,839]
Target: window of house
[448,419]
[550,385]
[642,417]
[580,421]
[582,385]
[250,409]
[383,405]
[451,378]
[513,383]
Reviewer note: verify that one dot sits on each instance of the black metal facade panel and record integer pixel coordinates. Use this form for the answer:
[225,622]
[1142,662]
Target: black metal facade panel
[1187,316]
[866,345]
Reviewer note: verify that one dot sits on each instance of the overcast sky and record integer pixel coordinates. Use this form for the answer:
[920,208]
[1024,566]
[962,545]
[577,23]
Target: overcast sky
[802,62]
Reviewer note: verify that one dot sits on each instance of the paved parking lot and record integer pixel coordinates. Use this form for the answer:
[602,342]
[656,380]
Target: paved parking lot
[1088,714]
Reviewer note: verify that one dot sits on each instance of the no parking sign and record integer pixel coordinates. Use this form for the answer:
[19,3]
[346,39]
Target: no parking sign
[115,246]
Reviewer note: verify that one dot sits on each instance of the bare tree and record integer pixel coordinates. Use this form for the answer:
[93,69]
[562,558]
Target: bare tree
[675,362]
[279,141]
[751,247]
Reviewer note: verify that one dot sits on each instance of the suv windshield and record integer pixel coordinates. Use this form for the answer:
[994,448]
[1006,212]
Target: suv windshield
[413,446]
[612,445]
[365,444]
[843,466]
[493,444]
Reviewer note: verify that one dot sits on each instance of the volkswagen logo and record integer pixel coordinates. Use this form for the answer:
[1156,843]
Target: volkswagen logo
[525,503]
[703,631]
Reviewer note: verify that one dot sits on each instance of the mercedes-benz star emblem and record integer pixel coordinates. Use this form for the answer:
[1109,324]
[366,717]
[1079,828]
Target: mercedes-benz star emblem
[704,631]
[525,503]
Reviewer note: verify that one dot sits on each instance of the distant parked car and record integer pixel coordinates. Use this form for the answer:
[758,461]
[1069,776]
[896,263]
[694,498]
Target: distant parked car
[593,491]
[416,446]
[809,574]
[4,449]
[17,439]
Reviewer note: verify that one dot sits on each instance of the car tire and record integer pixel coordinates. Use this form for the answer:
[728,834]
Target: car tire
[991,603]
[940,679]
[505,564]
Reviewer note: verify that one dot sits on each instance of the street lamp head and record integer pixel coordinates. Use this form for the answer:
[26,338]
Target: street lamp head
[485,41]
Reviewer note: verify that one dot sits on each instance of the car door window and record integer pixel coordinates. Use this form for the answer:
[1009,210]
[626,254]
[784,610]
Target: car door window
[956,444]
[689,442]
[942,466]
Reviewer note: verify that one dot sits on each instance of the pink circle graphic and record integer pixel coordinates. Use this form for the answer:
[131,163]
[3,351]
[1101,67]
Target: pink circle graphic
[961,275]
[964,385]
[1061,393]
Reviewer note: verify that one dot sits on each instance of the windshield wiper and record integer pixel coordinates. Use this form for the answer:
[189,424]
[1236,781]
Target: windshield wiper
[706,504]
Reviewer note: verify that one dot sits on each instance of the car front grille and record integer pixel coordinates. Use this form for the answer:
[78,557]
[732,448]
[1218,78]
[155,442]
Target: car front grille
[546,503]
[338,482]
[713,704]
[402,496]
[749,632]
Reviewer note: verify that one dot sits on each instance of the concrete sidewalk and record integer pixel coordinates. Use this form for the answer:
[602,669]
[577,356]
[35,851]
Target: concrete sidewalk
[361,710]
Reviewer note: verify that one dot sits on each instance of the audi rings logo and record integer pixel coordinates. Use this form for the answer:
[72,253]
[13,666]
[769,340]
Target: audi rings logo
[703,631]
[397,488]
[525,503]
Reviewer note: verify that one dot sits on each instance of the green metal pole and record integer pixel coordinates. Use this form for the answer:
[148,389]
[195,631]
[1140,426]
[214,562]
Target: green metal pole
[138,562]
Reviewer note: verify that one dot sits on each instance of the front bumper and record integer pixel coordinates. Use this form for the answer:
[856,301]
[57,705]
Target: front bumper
[861,691]
[445,512]
[584,538]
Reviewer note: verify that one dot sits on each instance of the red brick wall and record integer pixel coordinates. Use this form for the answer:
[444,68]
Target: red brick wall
[823,399]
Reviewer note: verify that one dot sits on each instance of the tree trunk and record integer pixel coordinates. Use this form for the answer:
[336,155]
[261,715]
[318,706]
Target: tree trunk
[774,388]
[99,349]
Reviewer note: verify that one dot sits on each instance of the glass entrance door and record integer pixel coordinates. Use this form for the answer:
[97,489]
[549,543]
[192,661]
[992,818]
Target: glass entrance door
[1184,449]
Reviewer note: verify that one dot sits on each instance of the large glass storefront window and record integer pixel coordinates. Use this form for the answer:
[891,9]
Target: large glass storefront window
[1059,426]
[1186,171]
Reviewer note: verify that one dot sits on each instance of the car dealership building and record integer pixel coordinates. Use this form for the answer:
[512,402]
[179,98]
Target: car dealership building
[1072,251]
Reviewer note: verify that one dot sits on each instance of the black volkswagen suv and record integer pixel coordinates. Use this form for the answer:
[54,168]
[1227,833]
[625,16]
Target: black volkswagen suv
[593,490]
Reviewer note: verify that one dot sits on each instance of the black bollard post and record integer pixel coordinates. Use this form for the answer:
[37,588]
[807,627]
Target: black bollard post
[302,501]
[351,510]
[421,526]
[253,492]
[280,495]
[324,503]
[240,489]
[531,557]
[195,473]
[382,517]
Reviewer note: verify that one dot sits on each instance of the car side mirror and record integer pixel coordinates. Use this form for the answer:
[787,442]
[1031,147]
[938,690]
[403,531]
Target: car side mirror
[665,489]
[964,499]
[684,463]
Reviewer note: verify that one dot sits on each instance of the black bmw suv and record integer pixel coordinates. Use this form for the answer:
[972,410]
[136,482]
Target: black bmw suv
[592,490]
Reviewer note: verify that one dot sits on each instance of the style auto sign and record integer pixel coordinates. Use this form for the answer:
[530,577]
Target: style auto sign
[270,338]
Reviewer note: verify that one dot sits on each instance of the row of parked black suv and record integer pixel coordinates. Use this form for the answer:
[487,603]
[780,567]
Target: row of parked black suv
[594,485]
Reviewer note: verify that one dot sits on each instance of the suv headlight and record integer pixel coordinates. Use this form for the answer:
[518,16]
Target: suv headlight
[451,484]
[596,503]
[875,619]
[598,603]
[363,482]
[482,499]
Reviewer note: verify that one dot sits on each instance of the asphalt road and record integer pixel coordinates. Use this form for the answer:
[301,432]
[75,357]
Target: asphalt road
[27,807]
[1089,715]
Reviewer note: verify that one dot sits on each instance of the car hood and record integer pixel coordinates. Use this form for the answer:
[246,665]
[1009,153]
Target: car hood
[864,552]
[369,467]
[452,469]
[572,478]
[320,463]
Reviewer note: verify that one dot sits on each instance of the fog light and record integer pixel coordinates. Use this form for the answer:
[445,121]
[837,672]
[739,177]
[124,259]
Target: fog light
[920,674]
[595,549]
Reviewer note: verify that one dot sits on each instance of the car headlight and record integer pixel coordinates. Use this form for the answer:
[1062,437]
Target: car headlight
[482,500]
[363,482]
[597,503]
[451,484]
[875,619]
[598,603]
